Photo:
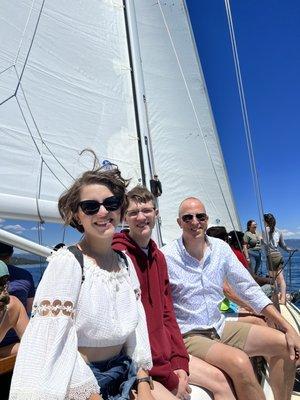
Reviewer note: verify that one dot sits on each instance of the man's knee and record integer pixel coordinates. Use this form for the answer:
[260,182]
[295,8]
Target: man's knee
[239,366]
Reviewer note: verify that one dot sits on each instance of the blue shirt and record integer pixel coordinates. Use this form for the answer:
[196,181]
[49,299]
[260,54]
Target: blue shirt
[197,286]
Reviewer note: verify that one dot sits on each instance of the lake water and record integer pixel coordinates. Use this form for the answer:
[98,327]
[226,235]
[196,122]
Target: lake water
[291,272]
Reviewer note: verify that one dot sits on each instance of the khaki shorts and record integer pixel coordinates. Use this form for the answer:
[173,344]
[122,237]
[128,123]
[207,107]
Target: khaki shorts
[198,342]
[275,261]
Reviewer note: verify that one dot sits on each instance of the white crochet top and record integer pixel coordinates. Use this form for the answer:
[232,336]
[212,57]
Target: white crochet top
[104,310]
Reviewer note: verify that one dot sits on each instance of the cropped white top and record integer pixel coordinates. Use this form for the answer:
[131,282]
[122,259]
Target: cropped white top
[104,310]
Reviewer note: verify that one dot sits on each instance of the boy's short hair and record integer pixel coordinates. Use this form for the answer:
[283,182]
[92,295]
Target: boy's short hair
[140,194]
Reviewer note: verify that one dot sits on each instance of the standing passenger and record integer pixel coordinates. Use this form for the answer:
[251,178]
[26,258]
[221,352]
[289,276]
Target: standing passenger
[88,332]
[253,242]
[273,242]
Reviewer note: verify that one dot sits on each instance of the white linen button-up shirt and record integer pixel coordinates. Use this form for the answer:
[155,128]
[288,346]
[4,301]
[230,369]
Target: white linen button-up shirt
[197,286]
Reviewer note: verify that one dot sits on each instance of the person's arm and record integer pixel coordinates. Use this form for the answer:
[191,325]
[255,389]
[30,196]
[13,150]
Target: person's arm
[31,294]
[143,388]
[29,304]
[137,345]
[282,243]
[245,251]
[18,316]
[242,282]
[292,337]
[231,295]
[179,356]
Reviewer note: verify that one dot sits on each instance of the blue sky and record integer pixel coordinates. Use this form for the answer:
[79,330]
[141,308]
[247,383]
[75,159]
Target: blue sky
[268,40]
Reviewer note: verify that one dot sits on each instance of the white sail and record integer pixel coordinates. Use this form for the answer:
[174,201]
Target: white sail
[65,84]
[186,149]
[75,92]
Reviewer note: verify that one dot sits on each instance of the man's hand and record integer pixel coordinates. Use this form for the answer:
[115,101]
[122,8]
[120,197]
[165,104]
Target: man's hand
[183,391]
[293,342]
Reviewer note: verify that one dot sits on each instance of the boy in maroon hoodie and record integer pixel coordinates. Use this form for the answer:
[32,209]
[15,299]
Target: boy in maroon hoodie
[170,358]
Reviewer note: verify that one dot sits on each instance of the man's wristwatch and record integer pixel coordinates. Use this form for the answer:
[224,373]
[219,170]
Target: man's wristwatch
[146,379]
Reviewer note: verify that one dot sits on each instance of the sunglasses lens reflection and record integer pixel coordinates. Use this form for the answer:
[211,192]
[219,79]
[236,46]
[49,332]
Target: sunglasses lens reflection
[91,207]
[201,217]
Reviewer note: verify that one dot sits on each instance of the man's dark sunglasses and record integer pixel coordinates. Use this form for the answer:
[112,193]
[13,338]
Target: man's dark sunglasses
[201,217]
[91,207]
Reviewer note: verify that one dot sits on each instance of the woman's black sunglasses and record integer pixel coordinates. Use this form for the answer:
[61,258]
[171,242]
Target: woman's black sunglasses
[91,207]
[201,217]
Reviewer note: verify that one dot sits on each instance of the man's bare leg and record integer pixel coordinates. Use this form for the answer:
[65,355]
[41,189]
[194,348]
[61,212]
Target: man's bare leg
[237,365]
[205,375]
[272,344]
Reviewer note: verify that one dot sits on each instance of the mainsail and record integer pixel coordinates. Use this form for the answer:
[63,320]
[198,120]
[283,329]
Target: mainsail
[186,148]
[66,84]
[68,61]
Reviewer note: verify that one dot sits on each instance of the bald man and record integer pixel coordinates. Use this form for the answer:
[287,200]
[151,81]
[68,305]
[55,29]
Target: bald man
[198,266]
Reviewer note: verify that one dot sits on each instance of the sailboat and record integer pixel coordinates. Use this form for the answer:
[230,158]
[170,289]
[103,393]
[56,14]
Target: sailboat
[121,77]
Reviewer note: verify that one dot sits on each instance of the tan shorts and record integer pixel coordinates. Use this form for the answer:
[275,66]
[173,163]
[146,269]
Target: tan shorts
[275,261]
[198,342]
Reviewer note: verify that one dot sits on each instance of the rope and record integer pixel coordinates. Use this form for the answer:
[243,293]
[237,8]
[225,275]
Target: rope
[246,123]
[195,113]
[23,34]
[37,148]
[30,46]
[40,135]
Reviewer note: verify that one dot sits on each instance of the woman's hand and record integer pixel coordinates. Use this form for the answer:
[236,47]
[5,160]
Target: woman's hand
[95,396]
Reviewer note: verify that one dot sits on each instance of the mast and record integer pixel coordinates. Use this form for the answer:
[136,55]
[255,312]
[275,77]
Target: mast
[140,101]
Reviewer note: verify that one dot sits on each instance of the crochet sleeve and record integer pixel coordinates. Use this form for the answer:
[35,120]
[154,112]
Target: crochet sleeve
[48,364]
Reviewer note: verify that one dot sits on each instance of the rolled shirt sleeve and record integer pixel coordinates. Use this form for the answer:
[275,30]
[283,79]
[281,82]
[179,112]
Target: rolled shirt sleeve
[243,284]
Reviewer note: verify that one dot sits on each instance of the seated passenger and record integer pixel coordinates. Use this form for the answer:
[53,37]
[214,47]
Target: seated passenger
[88,335]
[170,358]
[12,313]
[198,265]
[21,285]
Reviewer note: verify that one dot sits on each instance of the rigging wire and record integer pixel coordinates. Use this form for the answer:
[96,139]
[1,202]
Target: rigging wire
[19,77]
[23,34]
[37,147]
[41,136]
[248,135]
[195,113]
[245,114]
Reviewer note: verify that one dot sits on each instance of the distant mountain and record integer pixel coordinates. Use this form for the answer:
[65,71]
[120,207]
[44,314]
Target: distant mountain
[26,259]
[294,243]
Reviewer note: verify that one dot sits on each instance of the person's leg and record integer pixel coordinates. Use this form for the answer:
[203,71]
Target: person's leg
[233,361]
[237,365]
[271,343]
[258,262]
[282,286]
[205,375]
[251,319]
[162,393]
[252,260]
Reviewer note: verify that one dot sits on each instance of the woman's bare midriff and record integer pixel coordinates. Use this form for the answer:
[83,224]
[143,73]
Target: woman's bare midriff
[91,354]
